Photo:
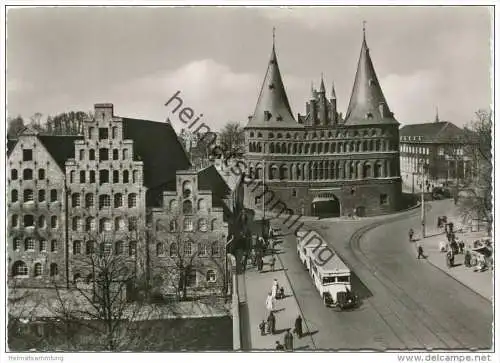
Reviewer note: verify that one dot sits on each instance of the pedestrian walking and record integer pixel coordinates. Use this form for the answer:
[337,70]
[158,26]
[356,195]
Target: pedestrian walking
[262,327]
[410,234]
[288,340]
[260,263]
[281,294]
[279,346]
[271,322]
[270,302]
[420,251]
[274,288]
[272,263]
[467,258]
[298,326]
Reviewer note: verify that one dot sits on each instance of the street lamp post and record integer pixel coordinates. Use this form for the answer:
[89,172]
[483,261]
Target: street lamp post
[263,196]
[423,200]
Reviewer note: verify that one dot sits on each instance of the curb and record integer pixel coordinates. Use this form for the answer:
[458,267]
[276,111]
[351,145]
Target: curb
[296,301]
[457,280]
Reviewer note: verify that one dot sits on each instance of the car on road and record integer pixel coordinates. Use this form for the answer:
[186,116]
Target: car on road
[439,193]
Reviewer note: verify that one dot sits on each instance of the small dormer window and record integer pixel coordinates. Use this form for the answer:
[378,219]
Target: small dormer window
[371,82]
[279,118]
[369,115]
[271,86]
[267,115]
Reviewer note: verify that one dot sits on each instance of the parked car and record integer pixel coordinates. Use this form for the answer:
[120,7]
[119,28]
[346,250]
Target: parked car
[441,193]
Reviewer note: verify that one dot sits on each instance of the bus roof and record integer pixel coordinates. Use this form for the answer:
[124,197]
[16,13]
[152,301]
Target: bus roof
[329,261]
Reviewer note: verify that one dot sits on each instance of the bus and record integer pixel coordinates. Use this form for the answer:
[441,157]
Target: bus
[308,241]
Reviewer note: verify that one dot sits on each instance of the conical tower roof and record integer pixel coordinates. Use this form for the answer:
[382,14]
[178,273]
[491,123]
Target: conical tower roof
[273,109]
[367,104]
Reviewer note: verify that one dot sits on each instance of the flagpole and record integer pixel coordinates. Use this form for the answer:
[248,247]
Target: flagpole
[263,196]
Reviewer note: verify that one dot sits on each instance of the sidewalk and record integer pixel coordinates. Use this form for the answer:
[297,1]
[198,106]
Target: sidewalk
[480,282]
[258,284]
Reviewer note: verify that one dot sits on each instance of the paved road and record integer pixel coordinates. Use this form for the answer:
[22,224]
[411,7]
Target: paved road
[407,303]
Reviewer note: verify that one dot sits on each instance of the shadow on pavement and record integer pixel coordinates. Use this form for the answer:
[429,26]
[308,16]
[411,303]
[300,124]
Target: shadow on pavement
[359,288]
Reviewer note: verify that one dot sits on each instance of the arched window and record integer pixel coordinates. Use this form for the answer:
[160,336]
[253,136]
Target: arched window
[215,249]
[188,225]
[125,176]
[106,248]
[27,174]
[77,247]
[211,276]
[159,249]
[53,270]
[173,206]
[13,174]
[173,249]
[89,200]
[91,154]
[76,224]
[116,155]
[15,221]
[41,174]
[19,269]
[188,248]
[132,200]
[120,224]
[135,176]
[202,225]
[114,132]
[53,245]
[132,248]
[105,225]
[132,224]
[37,271]
[75,200]
[41,195]
[116,176]
[118,200]
[104,201]
[213,224]
[202,249]
[42,222]
[187,189]
[125,154]
[90,224]
[202,205]
[28,195]
[43,245]
[89,247]
[29,220]
[14,196]
[91,132]
[119,248]
[173,225]
[16,246]
[29,244]
[187,207]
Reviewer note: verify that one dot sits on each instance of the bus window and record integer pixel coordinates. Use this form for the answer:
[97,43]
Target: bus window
[342,278]
[328,280]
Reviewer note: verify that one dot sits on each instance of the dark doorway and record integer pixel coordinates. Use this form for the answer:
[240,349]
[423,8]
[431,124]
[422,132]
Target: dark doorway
[326,206]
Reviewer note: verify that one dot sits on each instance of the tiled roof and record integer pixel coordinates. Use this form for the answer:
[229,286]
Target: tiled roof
[367,105]
[157,146]
[61,147]
[10,145]
[442,131]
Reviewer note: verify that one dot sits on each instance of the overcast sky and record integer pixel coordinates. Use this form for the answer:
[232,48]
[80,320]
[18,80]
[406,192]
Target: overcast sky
[62,59]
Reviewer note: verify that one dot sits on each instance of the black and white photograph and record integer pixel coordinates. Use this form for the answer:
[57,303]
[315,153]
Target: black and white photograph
[253,178]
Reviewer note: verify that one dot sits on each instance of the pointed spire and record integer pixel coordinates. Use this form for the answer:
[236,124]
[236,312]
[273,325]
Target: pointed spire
[273,108]
[437,115]
[334,96]
[313,93]
[367,104]
[322,86]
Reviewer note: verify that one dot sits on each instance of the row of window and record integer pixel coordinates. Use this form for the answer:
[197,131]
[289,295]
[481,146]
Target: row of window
[103,132]
[187,206]
[104,154]
[19,268]
[104,176]
[414,149]
[104,200]
[319,148]
[187,225]
[105,248]
[315,135]
[29,221]
[203,249]
[30,245]
[27,174]
[79,224]
[28,195]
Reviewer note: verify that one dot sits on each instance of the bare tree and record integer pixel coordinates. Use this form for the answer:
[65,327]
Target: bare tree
[232,139]
[477,205]
[15,126]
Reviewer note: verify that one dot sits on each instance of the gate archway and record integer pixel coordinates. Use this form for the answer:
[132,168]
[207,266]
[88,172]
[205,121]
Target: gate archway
[326,205]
